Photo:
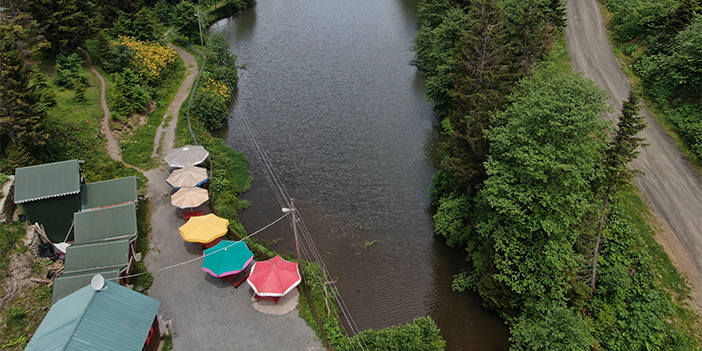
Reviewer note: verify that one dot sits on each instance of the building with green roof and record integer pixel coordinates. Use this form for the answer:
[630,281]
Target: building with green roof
[107,223]
[108,193]
[108,254]
[111,318]
[50,194]
[71,282]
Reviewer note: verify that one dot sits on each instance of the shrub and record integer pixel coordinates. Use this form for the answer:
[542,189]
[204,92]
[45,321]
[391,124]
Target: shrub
[210,108]
[69,71]
[130,96]
[149,60]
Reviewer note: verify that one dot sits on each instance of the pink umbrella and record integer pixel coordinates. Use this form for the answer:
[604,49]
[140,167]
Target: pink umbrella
[274,278]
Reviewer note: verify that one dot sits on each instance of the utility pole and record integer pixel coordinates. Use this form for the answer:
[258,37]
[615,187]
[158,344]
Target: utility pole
[294,223]
[199,23]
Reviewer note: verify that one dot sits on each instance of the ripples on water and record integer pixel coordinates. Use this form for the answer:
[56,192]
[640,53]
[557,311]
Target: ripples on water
[332,97]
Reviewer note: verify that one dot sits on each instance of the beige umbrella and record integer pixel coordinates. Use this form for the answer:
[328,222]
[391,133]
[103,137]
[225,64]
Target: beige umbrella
[187,155]
[187,177]
[189,197]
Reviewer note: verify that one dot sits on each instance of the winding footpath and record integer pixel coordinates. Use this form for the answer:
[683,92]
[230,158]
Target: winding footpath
[202,312]
[113,149]
[670,184]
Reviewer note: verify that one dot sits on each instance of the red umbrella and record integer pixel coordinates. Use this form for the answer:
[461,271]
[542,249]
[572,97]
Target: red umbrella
[275,277]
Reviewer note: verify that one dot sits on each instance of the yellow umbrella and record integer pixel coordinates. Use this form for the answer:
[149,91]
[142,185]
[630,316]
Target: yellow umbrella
[189,197]
[204,229]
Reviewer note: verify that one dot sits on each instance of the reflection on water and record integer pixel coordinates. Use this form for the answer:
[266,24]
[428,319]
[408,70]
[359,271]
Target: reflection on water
[332,97]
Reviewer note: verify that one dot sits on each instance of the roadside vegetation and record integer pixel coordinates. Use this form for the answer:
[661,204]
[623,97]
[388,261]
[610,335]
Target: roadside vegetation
[660,45]
[535,186]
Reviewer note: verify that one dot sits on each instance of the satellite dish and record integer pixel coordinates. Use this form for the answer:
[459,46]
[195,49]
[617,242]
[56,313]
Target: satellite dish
[97,283]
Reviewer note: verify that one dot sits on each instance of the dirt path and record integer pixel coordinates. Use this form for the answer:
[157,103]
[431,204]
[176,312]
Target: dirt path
[165,134]
[113,148]
[671,186]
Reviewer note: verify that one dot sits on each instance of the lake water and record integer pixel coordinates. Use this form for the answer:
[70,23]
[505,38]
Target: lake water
[333,99]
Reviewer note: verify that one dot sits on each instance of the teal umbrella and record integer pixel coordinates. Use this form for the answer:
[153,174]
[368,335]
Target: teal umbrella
[226,258]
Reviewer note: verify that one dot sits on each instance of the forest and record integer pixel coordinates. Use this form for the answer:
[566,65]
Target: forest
[127,40]
[534,184]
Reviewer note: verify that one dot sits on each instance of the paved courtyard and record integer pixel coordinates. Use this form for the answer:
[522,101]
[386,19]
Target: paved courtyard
[205,312]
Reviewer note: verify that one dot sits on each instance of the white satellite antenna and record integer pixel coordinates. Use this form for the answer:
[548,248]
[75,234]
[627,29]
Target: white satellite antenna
[97,283]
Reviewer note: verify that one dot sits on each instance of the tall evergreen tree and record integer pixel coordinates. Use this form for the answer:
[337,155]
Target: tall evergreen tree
[482,81]
[185,20]
[532,23]
[622,150]
[66,22]
[21,114]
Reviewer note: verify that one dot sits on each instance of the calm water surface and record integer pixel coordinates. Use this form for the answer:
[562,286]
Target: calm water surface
[332,97]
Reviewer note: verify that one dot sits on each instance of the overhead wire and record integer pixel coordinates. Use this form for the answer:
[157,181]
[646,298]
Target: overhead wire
[309,249]
[204,255]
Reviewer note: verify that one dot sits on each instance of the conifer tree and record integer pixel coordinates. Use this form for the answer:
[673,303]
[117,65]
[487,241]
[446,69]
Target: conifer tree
[66,22]
[80,92]
[622,150]
[21,114]
[482,81]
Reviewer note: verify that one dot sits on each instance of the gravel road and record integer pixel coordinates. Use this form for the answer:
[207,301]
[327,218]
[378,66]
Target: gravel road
[670,185]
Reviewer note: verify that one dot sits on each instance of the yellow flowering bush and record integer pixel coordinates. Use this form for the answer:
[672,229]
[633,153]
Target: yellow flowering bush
[216,87]
[150,59]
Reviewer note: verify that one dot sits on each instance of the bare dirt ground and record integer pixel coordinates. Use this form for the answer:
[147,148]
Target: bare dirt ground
[670,185]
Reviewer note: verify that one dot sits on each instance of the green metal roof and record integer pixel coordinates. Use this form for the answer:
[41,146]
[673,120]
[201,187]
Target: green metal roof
[69,283]
[108,192]
[112,319]
[47,180]
[103,254]
[105,223]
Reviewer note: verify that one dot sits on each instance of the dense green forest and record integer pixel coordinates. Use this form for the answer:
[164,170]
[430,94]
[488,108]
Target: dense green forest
[127,41]
[663,40]
[535,185]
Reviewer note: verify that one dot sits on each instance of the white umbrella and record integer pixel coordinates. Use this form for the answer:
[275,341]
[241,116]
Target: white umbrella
[187,155]
[187,177]
[189,197]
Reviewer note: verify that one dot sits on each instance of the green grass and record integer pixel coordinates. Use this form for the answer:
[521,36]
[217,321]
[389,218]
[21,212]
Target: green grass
[10,238]
[559,54]
[238,166]
[3,178]
[87,115]
[644,221]
[167,342]
[138,146]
